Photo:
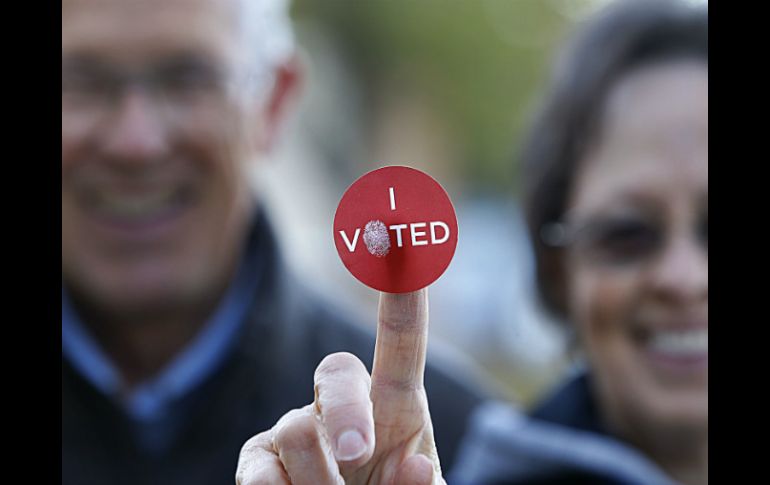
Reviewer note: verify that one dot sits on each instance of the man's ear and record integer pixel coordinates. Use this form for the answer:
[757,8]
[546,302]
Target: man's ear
[288,77]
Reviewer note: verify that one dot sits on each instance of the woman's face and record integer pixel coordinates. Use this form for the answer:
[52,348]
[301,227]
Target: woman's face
[638,265]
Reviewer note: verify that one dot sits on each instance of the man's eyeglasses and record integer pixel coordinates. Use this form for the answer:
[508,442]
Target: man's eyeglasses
[177,86]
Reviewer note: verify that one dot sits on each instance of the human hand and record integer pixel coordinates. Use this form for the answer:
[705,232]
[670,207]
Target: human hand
[359,429]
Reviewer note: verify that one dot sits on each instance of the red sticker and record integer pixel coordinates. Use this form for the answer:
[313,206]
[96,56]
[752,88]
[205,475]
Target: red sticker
[395,229]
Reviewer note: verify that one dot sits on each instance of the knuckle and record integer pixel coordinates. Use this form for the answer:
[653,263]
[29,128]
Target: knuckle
[253,445]
[403,323]
[347,412]
[254,463]
[266,478]
[337,362]
[260,468]
[404,385]
[287,418]
[301,434]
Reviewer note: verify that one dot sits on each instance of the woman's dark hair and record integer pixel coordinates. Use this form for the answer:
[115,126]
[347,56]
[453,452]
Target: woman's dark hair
[623,37]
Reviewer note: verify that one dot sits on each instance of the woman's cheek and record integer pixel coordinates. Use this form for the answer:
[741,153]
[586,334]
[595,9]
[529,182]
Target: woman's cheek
[602,304]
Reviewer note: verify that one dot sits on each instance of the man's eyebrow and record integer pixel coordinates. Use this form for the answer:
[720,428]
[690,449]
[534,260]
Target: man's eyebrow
[185,59]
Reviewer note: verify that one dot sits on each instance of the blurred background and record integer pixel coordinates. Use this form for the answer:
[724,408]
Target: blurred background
[445,86]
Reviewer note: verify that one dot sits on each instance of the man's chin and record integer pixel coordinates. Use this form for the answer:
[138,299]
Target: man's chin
[132,300]
[143,303]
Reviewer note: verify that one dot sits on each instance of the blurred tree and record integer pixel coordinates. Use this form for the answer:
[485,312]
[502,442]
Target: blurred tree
[479,64]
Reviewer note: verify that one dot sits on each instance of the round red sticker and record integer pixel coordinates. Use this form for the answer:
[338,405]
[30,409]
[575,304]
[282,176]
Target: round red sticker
[395,229]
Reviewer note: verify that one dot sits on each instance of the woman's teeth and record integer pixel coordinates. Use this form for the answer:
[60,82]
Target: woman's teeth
[681,343]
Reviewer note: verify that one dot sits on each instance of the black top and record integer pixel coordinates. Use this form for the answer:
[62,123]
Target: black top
[562,442]
[573,405]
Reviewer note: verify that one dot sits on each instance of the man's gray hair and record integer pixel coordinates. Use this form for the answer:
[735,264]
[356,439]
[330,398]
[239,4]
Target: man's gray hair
[267,34]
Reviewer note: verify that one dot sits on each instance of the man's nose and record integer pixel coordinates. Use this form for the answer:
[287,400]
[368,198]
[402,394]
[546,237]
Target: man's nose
[681,273]
[136,132]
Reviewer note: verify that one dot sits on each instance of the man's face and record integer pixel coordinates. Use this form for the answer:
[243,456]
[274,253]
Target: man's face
[155,136]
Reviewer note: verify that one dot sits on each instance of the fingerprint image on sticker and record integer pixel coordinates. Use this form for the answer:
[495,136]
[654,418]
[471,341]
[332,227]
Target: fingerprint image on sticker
[376,238]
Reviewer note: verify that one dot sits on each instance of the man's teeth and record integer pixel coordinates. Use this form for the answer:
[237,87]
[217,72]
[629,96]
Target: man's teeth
[686,342]
[136,206]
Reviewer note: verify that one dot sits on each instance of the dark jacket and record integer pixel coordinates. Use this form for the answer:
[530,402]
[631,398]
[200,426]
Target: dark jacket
[288,332]
[561,442]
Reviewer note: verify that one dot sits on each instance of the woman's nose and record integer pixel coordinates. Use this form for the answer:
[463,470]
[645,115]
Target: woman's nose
[681,272]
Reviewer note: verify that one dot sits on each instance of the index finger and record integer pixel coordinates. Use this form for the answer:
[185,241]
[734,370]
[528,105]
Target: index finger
[402,337]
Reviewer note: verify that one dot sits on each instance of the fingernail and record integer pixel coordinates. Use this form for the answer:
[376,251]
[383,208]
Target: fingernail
[350,446]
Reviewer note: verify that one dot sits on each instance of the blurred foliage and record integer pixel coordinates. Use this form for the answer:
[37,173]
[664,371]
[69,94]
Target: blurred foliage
[479,63]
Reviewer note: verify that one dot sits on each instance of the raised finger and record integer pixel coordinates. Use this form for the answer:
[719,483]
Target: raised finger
[402,336]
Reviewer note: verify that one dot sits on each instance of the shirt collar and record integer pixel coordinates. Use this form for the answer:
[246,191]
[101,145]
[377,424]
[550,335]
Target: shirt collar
[151,400]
